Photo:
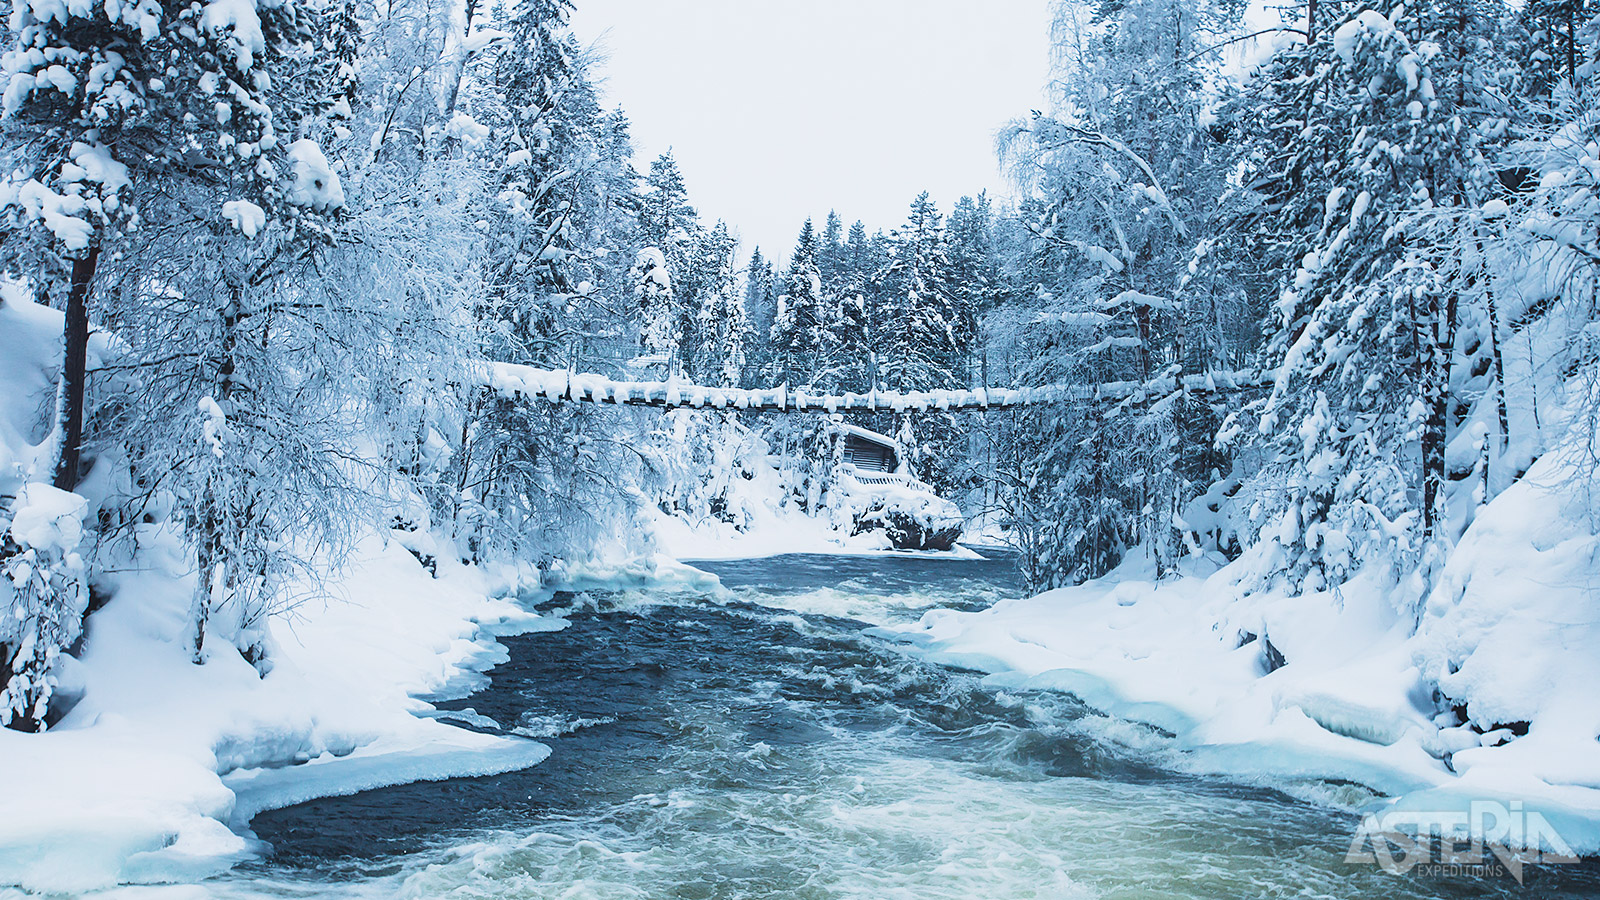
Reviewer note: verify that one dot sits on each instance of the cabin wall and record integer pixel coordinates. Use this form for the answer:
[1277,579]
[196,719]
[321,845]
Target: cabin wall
[869,456]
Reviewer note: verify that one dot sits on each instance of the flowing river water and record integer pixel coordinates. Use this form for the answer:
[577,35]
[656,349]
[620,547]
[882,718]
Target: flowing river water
[755,742]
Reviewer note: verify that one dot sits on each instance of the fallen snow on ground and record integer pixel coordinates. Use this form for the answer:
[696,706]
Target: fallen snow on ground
[1510,634]
[142,780]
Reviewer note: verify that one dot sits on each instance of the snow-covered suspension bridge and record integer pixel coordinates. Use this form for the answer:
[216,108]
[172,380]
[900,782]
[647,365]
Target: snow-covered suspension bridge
[559,385]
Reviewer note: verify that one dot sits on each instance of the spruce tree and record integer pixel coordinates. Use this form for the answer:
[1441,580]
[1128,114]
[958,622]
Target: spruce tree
[665,217]
[919,348]
[724,327]
[799,324]
[974,276]
[761,306]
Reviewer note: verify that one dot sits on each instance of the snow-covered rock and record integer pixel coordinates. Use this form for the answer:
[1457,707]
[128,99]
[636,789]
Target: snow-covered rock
[906,511]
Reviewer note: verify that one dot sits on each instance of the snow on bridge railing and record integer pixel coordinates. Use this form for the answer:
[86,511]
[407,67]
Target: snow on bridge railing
[530,383]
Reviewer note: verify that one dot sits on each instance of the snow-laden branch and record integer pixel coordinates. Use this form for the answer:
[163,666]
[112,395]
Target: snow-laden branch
[1047,130]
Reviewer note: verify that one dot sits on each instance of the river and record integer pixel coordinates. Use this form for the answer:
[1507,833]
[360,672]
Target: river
[755,742]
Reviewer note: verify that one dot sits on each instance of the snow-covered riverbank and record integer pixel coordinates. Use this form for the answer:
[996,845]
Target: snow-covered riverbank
[143,779]
[1351,684]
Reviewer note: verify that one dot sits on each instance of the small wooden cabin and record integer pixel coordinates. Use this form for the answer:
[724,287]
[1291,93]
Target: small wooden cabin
[870,451]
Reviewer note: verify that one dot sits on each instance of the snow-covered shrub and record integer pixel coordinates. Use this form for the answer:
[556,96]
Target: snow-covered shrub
[42,600]
[544,483]
[709,463]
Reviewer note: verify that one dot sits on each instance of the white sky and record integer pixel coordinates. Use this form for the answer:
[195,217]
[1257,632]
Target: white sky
[781,109]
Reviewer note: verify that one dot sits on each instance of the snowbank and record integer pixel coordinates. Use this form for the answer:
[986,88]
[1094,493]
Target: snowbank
[141,781]
[1491,697]
[29,357]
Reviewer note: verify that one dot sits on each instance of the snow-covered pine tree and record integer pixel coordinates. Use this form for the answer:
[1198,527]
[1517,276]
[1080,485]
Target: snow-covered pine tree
[918,346]
[723,329]
[800,321]
[659,312]
[847,359]
[918,349]
[761,306]
[974,276]
[537,112]
[1366,326]
[831,262]
[601,310]
[668,223]
[666,217]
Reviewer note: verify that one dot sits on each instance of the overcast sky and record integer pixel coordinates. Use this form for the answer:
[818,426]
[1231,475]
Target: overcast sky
[781,109]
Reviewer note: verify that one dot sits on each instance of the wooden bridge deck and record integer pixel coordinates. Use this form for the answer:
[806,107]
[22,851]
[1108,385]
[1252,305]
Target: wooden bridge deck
[529,383]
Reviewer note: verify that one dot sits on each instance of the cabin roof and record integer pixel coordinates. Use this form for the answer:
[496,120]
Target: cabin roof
[871,437]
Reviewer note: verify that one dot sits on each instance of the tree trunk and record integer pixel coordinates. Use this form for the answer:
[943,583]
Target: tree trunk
[461,66]
[74,371]
[1436,390]
[206,553]
[1572,50]
[1499,359]
[210,547]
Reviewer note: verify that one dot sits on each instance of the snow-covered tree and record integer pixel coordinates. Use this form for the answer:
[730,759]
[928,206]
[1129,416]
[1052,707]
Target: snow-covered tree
[761,306]
[43,596]
[974,275]
[1121,175]
[800,321]
[150,131]
[723,327]
[918,344]
[1366,326]
[658,307]
[666,218]
[832,261]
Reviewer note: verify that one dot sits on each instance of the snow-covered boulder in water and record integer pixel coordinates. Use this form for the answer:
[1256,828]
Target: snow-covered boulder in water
[912,519]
